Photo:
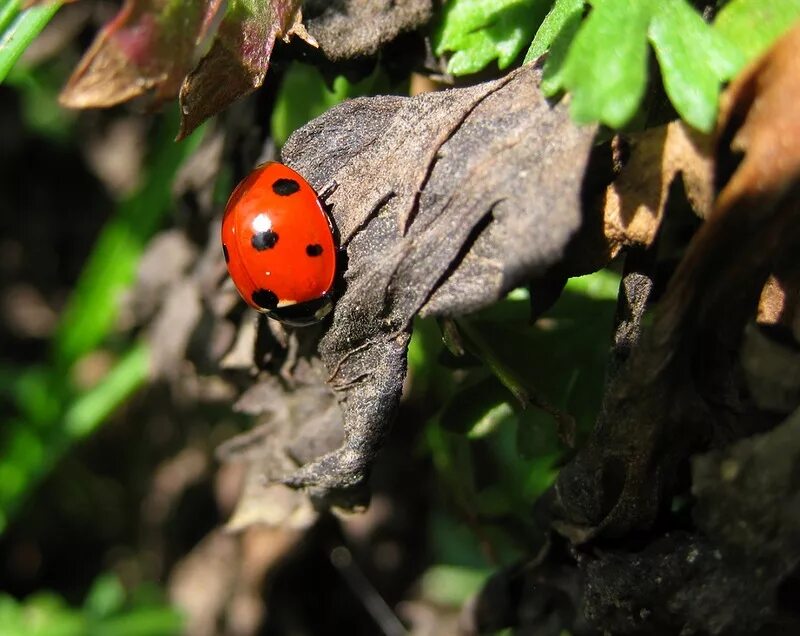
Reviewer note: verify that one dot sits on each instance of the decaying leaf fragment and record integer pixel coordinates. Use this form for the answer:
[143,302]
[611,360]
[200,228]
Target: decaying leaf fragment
[679,392]
[238,59]
[211,52]
[635,201]
[299,423]
[148,47]
[347,29]
[444,203]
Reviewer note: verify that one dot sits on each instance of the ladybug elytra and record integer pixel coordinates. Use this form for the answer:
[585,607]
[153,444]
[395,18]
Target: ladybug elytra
[279,246]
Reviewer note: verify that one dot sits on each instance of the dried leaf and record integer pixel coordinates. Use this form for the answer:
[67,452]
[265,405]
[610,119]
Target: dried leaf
[152,47]
[445,202]
[148,47]
[680,390]
[298,425]
[635,201]
[238,59]
[779,303]
[347,29]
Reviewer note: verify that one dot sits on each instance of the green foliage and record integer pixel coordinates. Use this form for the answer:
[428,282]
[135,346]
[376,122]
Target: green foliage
[111,267]
[38,89]
[19,28]
[599,50]
[478,32]
[52,414]
[304,95]
[608,82]
[494,451]
[107,611]
[755,24]
[562,13]
[452,585]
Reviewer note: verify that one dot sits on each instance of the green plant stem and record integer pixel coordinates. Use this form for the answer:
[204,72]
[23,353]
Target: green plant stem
[21,32]
[8,11]
[93,307]
[91,409]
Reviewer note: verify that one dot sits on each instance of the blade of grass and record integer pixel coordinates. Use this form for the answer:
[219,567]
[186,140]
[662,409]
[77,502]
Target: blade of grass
[30,451]
[53,416]
[92,309]
[21,32]
[8,11]
[91,409]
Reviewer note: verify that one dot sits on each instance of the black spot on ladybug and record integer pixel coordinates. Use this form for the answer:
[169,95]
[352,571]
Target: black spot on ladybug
[225,253]
[285,187]
[264,240]
[265,298]
[314,249]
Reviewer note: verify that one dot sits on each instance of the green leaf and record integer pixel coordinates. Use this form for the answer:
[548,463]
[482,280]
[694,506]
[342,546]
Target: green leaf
[478,409]
[91,409]
[304,95]
[106,596]
[601,285]
[452,585]
[562,13]
[694,60]
[108,611]
[479,32]
[38,91]
[553,72]
[606,67]
[8,11]
[755,24]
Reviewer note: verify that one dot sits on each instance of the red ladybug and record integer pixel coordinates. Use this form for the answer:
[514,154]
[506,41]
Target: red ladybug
[279,245]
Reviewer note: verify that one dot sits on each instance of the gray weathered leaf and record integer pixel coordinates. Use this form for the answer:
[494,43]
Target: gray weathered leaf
[348,29]
[444,203]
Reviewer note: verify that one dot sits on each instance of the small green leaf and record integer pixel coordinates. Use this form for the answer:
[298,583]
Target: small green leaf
[304,95]
[90,410]
[755,24]
[478,32]
[452,585]
[553,72]
[606,67]
[602,285]
[106,596]
[563,12]
[694,60]
[478,409]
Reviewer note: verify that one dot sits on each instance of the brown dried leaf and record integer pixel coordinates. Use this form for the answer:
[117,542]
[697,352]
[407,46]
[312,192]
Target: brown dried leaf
[298,425]
[238,59]
[148,47]
[349,29]
[635,201]
[680,389]
[445,202]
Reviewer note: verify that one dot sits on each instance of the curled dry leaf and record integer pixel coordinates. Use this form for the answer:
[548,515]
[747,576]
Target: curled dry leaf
[300,424]
[445,202]
[635,201]
[211,52]
[238,59]
[148,47]
[679,391]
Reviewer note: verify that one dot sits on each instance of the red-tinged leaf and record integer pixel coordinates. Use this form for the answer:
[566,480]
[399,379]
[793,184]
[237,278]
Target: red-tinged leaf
[146,49]
[239,56]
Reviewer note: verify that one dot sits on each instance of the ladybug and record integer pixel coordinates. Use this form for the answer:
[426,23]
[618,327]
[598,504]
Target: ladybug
[279,245]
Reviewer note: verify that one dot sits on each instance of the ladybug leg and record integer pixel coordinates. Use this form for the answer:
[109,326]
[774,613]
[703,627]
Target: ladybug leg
[329,189]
